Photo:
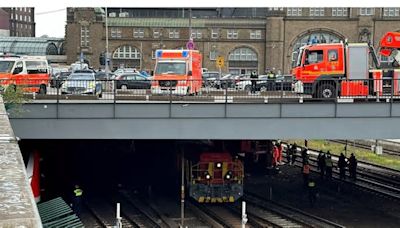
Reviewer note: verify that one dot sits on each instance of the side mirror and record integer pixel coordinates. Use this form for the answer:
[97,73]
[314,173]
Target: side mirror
[190,73]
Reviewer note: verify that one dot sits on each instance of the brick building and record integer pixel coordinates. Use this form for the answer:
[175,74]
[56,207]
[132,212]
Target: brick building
[247,38]
[21,21]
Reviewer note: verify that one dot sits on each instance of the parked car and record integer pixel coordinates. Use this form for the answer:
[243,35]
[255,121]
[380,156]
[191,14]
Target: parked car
[59,79]
[82,83]
[210,78]
[227,81]
[280,82]
[132,81]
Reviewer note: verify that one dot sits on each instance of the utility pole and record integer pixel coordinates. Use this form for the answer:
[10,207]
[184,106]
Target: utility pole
[107,69]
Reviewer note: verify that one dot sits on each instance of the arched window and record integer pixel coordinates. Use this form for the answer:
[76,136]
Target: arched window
[242,60]
[126,56]
[243,54]
[51,49]
[126,52]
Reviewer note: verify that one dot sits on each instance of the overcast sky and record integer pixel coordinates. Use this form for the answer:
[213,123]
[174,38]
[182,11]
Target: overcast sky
[50,20]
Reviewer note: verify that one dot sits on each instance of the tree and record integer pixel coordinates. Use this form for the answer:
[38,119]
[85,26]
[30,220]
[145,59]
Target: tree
[13,100]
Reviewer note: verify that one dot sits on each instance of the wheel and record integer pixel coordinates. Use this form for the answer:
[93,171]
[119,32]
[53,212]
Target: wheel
[263,88]
[124,87]
[326,90]
[247,88]
[42,89]
[100,95]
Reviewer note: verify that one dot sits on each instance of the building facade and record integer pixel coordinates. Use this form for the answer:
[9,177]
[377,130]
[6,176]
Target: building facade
[21,21]
[247,38]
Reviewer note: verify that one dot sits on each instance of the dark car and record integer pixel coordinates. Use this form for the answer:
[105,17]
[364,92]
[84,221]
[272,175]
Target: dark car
[280,83]
[227,81]
[210,78]
[59,79]
[101,75]
[132,81]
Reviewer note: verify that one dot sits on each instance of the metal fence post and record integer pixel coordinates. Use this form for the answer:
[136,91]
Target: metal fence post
[58,98]
[170,99]
[115,95]
[226,101]
[337,95]
[391,98]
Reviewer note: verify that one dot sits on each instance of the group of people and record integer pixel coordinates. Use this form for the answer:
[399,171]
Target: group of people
[325,165]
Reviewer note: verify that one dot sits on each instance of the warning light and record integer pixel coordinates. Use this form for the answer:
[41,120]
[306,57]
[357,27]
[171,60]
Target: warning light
[185,53]
[158,53]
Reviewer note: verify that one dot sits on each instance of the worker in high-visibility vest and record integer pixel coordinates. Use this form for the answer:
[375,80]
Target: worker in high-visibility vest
[328,165]
[312,192]
[77,200]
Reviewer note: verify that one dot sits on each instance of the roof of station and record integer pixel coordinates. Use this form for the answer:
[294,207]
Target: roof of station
[183,22]
[31,45]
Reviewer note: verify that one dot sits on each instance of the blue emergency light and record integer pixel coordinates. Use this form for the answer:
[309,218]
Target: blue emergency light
[185,54]
[159,53]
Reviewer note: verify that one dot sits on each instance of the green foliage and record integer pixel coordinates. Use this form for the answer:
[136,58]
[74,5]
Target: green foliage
[13,99]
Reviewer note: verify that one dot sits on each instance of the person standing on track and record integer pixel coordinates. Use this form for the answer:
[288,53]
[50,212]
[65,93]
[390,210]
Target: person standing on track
[312,192]
[342,166]
[294,155]
[289,154]
[77,200]
[321,164]
[275,153]
[306,173]
[279,146]
[304,155]
[329,165]
[353,167]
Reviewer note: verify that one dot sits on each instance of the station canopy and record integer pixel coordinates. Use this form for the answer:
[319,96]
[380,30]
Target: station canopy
[31,45]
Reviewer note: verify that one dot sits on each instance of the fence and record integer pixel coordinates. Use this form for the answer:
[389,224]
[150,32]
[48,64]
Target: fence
[279,90]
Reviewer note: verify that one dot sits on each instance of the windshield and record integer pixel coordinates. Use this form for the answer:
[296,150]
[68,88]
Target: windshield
[6,66]
[81,77]
[171,68]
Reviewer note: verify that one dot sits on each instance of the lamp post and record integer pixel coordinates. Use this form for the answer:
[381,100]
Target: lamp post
[107,69]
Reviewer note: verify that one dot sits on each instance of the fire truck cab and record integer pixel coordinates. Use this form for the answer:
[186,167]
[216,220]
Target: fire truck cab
[341,69]
[29,72]
[177,72]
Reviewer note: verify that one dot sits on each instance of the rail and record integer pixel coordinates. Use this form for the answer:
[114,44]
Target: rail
[263,90]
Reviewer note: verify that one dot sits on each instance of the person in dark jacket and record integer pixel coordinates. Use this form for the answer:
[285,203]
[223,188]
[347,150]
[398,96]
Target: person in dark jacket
[312,192]
[253,77]
[304,155]
[353,167]
[321,164]
[328,165]
[294,155]
[342,166]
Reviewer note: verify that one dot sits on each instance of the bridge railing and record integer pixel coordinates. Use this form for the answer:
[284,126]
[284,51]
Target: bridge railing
[263,90]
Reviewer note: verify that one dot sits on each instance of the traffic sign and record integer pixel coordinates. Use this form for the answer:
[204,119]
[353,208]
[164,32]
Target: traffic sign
[220,61]
[190,45]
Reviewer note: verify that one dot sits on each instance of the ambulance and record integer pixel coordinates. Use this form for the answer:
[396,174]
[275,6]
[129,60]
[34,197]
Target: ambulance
[177,72]
[31,73]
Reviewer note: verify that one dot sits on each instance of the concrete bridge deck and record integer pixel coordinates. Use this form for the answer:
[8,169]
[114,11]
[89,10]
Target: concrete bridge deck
[17,204]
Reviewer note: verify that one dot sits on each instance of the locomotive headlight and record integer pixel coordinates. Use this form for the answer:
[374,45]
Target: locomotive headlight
[208,177]
[228,176]
[219,165]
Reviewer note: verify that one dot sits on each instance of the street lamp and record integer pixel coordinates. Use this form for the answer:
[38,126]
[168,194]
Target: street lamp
[107,69]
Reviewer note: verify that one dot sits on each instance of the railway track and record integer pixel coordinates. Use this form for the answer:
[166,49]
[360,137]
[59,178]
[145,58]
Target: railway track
[104,211]
[280,215]
[372,178]
[366,146]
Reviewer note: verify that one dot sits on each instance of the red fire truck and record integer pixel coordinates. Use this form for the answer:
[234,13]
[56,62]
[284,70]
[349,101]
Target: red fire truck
[177,72]
[344,69]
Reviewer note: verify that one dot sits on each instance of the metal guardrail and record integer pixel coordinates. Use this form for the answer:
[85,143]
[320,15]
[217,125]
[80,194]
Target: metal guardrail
[279,90]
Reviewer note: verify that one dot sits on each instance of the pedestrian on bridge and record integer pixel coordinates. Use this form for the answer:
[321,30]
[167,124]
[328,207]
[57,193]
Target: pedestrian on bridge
[342,164]
[253,77]
[329,165]
[321,164]
[353,166]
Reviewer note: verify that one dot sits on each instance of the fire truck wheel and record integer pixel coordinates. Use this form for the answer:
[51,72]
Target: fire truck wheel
[124,87]
[42,89]
[247,88]
[326,91]
[263,88]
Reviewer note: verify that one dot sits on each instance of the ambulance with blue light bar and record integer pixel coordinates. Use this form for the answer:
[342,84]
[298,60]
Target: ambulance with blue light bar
[177,72]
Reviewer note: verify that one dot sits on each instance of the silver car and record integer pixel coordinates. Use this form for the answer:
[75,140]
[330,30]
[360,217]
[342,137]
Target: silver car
[82,83]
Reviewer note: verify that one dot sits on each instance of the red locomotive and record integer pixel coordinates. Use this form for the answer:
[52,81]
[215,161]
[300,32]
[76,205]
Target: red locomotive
[216,178]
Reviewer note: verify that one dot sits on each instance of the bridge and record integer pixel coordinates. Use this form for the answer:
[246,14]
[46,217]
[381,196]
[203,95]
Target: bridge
[196,119]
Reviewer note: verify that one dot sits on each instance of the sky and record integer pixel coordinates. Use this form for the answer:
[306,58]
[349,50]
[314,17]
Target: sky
[51,18]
